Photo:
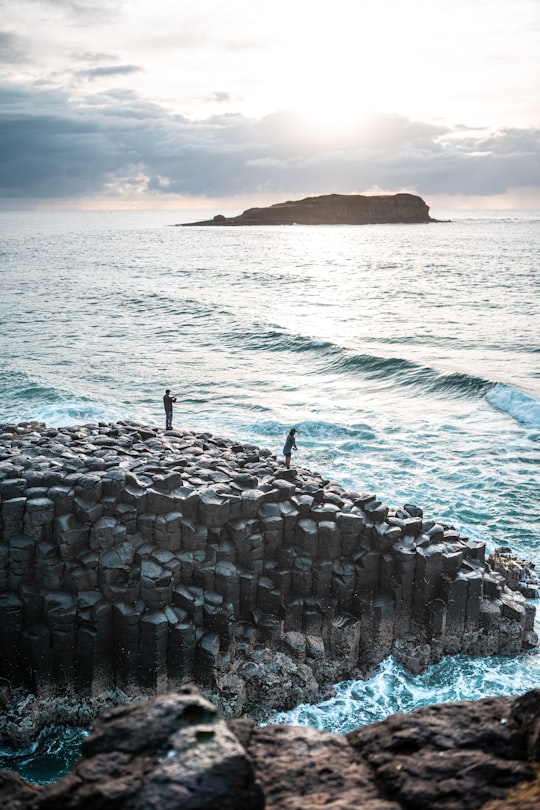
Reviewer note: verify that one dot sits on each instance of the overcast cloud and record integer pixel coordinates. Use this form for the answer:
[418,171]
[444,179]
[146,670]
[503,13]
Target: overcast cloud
[128,121]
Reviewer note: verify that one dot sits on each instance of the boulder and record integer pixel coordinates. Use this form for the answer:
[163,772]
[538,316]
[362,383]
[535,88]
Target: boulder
[176,752]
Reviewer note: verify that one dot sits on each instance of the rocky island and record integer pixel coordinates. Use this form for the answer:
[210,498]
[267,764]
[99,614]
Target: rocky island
[333,209]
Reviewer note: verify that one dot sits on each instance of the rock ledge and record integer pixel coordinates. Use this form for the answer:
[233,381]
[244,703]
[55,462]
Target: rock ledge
[175,751]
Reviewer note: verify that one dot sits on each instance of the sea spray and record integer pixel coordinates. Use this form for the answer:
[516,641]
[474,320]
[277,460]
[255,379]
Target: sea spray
[393,689]
[521,406]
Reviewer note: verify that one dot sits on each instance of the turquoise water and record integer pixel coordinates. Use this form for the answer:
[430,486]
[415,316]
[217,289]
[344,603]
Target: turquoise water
[392,689]
[407,357]
[49,757]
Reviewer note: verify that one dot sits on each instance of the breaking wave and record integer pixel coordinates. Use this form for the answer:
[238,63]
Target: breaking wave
[520,406]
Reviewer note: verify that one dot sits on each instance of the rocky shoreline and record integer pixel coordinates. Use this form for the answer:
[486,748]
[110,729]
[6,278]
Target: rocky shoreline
[136,560]
[176,751]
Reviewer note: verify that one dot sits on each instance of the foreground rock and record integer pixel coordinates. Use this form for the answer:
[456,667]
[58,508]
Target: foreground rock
[333,209]
[175,752]
[135,560]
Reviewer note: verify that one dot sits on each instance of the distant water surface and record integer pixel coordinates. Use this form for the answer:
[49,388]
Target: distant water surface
[407,357]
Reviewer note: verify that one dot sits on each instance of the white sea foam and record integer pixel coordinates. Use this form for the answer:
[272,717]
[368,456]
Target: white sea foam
[521,406]
[392,690]
[66,414]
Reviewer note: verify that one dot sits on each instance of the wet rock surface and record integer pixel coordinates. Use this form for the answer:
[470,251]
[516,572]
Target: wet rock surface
[175,751]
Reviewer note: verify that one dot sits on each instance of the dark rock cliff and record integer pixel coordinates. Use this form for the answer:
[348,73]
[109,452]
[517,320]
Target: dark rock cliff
[333,209]
[176,752]
[138,559]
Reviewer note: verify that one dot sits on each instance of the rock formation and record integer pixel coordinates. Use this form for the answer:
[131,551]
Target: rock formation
[176,752]
[333,209]
[139,560]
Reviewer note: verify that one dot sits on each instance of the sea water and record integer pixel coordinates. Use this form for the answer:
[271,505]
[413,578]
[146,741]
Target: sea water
[406,356]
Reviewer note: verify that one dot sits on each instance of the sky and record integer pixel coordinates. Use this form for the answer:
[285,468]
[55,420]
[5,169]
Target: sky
[149,104]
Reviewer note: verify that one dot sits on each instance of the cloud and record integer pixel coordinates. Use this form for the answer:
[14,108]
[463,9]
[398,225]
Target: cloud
[109,70]
[76,9]
[116,143]
[12,48]
[220,96]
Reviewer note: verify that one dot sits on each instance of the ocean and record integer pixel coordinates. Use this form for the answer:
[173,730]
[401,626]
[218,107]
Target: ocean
[406,356]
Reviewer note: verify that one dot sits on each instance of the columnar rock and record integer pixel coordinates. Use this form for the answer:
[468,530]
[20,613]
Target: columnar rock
[143,559]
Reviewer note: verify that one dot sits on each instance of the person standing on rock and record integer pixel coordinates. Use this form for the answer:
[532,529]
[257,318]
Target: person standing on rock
[167,404]
[290,444]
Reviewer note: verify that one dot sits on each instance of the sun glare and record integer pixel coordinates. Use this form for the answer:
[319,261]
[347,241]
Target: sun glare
[333,130]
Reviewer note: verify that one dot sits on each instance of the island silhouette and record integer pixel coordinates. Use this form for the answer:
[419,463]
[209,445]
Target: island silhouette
[333,209]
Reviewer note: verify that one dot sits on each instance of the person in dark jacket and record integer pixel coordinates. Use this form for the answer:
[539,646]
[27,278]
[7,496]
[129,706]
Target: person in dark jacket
[290,444]
[167,404]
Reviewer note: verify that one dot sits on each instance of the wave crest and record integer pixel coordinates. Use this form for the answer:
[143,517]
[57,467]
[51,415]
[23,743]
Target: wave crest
[390,370]
[522,407]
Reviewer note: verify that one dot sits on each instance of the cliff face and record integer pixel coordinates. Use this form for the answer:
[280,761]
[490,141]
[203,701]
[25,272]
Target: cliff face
[333,209]
[140,559]
[175,751]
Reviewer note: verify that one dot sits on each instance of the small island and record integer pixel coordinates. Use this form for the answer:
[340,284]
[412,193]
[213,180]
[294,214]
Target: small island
[333,209]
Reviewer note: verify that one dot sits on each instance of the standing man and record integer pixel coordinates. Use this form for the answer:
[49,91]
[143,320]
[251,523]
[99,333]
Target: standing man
[290,444]
[167,404]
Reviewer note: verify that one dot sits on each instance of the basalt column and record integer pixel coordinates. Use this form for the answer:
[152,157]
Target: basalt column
[142,559]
